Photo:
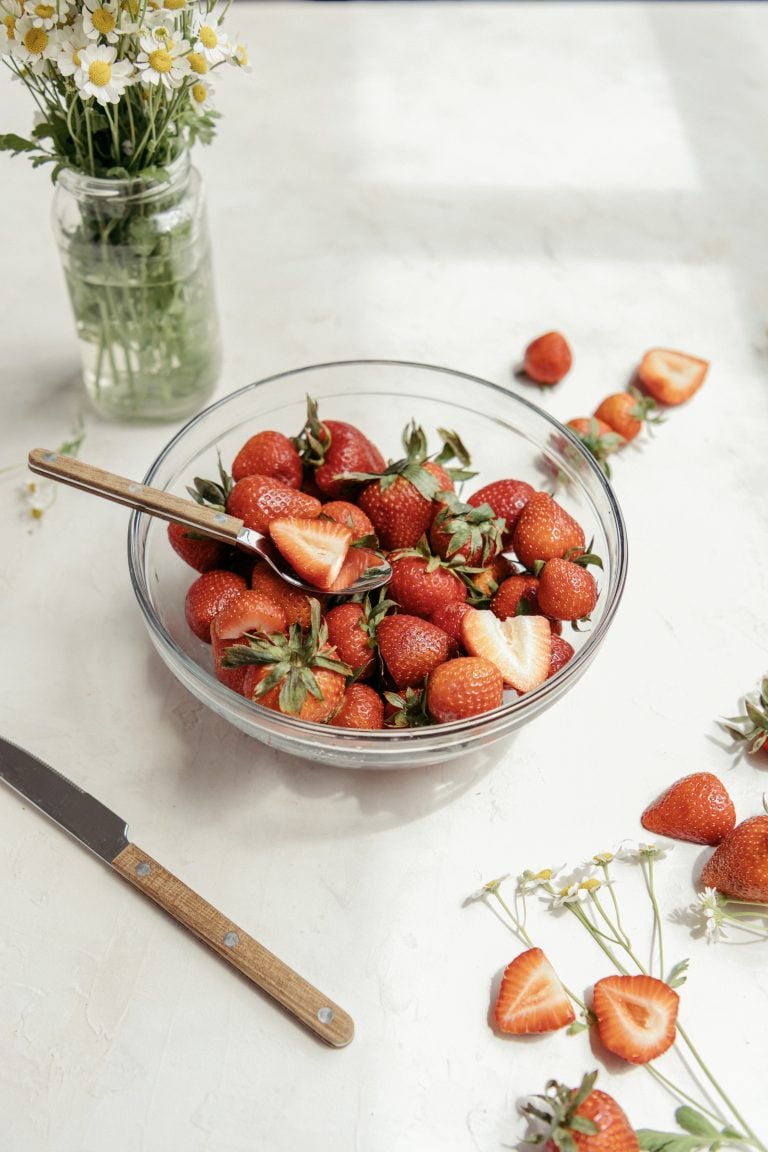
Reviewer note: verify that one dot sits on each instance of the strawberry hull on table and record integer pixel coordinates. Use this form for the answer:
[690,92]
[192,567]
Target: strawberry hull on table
[479,592]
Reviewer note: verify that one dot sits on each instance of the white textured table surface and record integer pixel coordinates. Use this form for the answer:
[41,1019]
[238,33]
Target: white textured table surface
[434,183]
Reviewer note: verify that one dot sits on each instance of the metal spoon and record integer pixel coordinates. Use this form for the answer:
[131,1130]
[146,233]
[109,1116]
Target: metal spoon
[209,521]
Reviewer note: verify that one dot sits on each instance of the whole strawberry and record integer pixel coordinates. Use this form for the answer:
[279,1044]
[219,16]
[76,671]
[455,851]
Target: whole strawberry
[411,648]
[449,617]
[464,687]
[269,453]
[696,808]
[507,498]
[352,632]
[583,1119]
[361,707]
[471,533]
[547,359]
[560,654]
[515,596]
[739,865]
[567,591]
[199,551]
[206,597]
[598,438]
[420,583]
[330,448]
[627,412]
[258,500]
[545,530]
[751,729]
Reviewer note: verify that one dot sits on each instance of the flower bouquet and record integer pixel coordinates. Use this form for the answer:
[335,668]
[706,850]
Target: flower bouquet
[122,90]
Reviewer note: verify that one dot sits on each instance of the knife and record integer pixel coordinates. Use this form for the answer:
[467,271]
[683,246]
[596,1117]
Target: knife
[106,834]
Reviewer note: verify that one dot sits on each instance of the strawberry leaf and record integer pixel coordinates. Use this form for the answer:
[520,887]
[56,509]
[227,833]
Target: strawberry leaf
[678,974]
[692,1121]
[653,1141]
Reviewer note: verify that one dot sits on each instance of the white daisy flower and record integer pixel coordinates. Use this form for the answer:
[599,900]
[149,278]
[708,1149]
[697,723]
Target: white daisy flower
[10,13]
[200,94]
[32,45]
[102,75]
[635,852]
[574,893]
[100,19]
[709,906]
[162,59]
[69,45]
[197,63]
[46,13]
[239,56]
[210,40]
[38,496]
[529,881]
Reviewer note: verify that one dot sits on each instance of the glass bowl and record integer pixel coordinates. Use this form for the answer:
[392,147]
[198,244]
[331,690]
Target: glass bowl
[506,436]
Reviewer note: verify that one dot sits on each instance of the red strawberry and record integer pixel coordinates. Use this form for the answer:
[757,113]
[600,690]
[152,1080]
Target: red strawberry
[464,687]
[297,674]
[357,562]
[531,997]
[315,549]
[421,584]
[469,533]
[507,498]
[567,591]
[350,516]
[547,359]
[249,612]
[561,653]
[635,1016]
[352,632]
[206,597]
[671,377]
[199,551]
[294,603]
[257,500]
[519,647]
[361,707]
[332,447]
[411,648]
[269,454]
[449,617]
[487,581]
[584,1119]
[598,438]
[545,530]
[739,866]
[696,808]
[515,596]
[626,412]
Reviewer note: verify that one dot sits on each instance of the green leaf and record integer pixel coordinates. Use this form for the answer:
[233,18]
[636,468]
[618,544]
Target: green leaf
[652,1141]
[678,974]
[692,1121]
[582,1124]
[576,1027]
[10,142]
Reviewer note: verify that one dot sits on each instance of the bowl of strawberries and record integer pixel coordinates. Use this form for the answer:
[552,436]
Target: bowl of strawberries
[503,544]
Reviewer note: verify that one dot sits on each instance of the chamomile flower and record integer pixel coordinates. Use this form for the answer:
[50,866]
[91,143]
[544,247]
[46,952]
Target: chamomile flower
[709,906]
[528,881]
[197,63]
[100,20]
[102,75]
[635,852]
[575,893]
[10,13]
[37,496]
[240,56]
[210,40]
[32,45]
[162,60]
[200,94]
[70,44]
[46,13]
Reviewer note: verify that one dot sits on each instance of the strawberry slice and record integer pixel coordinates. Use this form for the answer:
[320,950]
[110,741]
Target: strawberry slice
[635,1016]
[671,377]
[251,611]
[531,997]
[356,563]
[519,646]
[315,549]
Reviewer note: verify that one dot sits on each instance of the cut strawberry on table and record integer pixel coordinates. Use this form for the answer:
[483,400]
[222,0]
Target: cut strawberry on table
[315,548]
[696,808]
[739,865]
[671,377]
[583,1119]
[531,998]
[636,1016]
[519,646]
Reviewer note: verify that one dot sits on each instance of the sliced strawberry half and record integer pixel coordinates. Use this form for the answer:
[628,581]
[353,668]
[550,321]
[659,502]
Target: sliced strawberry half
[635,1016]
[315,549]
[519,646]
[251,611]
[356,563]
[531,997]
[671,377]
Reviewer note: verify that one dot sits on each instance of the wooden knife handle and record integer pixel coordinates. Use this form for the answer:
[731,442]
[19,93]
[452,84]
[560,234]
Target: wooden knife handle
[320,1014]
[120,490]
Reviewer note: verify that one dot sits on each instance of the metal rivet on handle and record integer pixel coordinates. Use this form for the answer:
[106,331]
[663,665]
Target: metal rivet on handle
[325,1015]
[51,456]
[143,869]
[135,487]
[219,518]
[231,939]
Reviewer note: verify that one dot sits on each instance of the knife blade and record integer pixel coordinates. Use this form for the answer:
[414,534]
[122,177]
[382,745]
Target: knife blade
[106,834]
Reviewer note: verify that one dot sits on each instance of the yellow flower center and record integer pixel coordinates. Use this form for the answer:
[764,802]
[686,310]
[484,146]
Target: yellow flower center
[590,885]
[198,63]
[208,36]
[160,60]
[132,7]
[36,41]
[174,5]
[241,56]
[545,874]
[45,11]
[199,93]
[10,25]
[100,73]
[103,21]
[76,58]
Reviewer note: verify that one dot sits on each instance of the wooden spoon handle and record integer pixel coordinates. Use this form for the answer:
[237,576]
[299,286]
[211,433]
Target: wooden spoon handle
[320,1014]
[68,470]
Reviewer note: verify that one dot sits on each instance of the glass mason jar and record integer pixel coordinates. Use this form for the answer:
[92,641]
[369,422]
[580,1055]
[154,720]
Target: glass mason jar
[137,262]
